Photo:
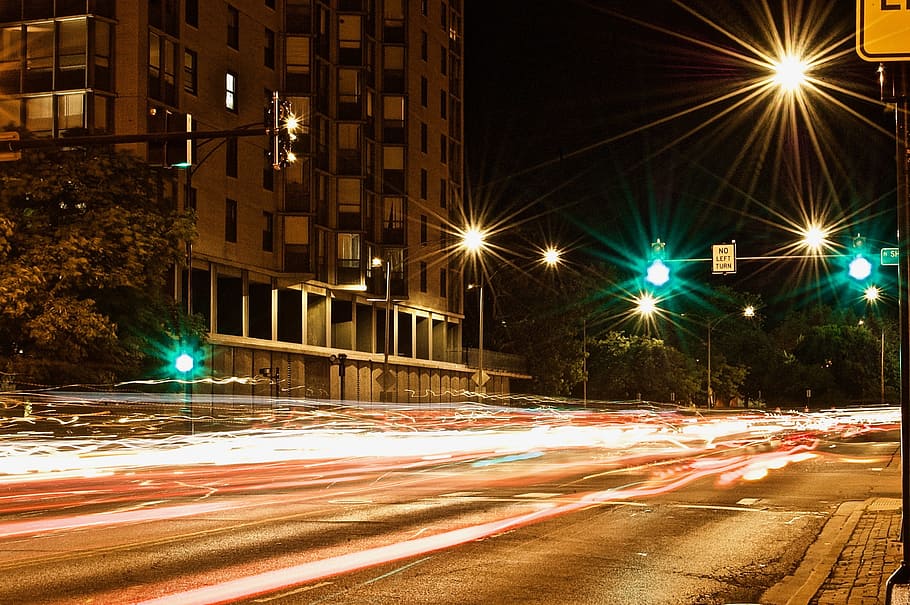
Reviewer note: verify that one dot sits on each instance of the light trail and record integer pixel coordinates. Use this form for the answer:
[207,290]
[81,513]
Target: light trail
[329,455]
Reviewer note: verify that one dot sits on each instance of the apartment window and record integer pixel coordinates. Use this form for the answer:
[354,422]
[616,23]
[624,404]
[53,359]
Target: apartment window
[162,71]
[190,72]
[443,104]
[298,63]
[443,60]
[231,159]
[443,283]
[269,48]
[443,193]
[72,45]
[270,4]
[443,149]
[393,113]
[393,169]
[444,16]
[349,92]
[424,7]
[424,145]
[233,28]
[424,230]
[348,257]
[268,231]
[230,220]
[393,220]
[424,46]
[423,184]
[423,276]
[350,40]
[70,111]
[191,13]
[268,173]
[424,91]
[349,203]
[230,91]
[349,156]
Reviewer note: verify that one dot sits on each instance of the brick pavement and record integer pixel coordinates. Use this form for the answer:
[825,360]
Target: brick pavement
[871,554]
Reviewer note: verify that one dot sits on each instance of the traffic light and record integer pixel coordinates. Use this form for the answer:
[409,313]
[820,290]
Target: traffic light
[658,273]
[282,125]
[184,363]
[860,267]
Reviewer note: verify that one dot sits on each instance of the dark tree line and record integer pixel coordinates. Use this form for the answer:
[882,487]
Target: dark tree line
[86,240]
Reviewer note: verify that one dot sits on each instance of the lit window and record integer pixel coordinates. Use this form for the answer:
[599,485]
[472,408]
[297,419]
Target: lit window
[230,91]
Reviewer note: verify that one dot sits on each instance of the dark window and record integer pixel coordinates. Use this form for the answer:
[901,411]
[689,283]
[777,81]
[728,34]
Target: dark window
[268,173]
[424,144]
[423,184]
[424,46]
[268,231]
[443,193]
[443,104]
[423,276]
[162,72]
[231,159]
[424,230]
[191,13]
[190,72]
[443,149]
[269,49]
[443,285]
[230,220]
[233,30]
[424,92]
[270,4]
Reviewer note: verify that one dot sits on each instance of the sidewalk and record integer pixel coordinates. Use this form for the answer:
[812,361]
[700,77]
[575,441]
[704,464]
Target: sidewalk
[850,562]
[870,556]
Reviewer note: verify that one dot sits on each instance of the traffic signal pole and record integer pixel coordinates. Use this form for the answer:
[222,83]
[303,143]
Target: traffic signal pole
[898,589]
[13,145]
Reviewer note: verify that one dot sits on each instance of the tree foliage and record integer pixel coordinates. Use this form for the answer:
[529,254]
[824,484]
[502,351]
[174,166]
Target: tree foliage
[631,367]
[86,240]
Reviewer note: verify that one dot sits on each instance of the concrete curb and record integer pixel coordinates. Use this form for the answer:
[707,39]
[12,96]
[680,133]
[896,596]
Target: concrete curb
[801,587]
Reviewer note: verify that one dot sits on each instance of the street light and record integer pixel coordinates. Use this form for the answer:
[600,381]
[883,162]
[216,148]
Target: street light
[748,311]
[474,241]
[872,294]
[377,262]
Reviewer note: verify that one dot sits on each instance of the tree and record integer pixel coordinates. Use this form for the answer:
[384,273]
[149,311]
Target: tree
[86,241]
[627,367]
[542,319]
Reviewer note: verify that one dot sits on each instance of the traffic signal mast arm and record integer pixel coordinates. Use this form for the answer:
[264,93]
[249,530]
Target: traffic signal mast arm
[116,139]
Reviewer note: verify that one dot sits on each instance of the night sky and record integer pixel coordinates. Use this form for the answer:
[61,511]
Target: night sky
[607,124]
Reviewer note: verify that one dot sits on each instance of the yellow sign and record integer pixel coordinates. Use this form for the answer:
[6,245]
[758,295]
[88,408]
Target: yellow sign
[883,30]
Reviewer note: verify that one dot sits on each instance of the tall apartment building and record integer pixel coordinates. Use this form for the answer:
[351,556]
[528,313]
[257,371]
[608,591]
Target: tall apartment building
[281,268]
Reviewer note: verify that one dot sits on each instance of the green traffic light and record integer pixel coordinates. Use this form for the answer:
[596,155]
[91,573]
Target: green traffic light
[860,268]
[658,273]
[184,363]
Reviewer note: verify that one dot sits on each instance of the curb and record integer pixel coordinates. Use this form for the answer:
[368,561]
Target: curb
[801,587]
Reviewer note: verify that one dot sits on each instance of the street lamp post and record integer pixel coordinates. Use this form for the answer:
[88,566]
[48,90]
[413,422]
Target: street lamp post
[749,311]
[376,262]
[481,382]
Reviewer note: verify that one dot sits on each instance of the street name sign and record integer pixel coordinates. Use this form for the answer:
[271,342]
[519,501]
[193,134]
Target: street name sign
[723,258]
[881,30]
[891,256]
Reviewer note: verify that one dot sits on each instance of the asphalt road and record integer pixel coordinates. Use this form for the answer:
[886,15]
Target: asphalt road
[644,521]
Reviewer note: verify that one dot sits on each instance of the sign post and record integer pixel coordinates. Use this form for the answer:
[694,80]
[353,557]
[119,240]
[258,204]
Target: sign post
[881,35]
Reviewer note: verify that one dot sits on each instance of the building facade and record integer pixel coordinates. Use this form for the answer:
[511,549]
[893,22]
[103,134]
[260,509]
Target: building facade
[283,267]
